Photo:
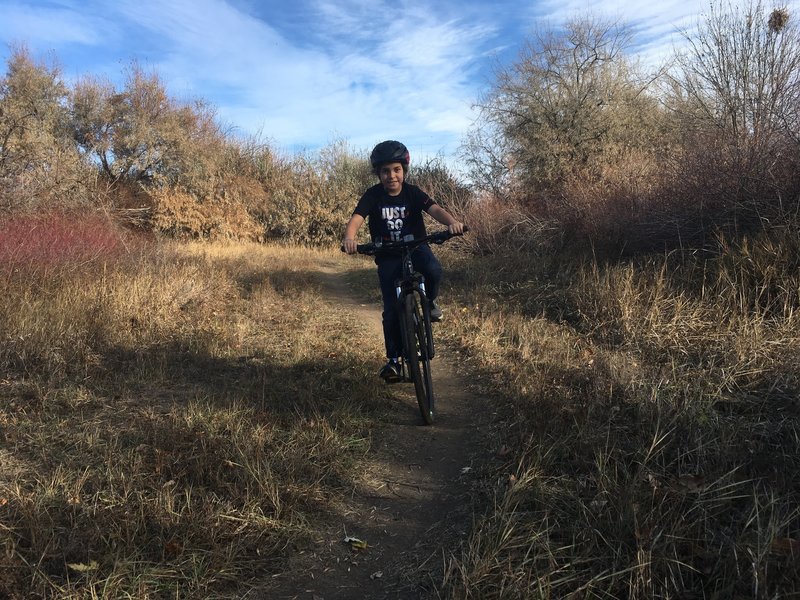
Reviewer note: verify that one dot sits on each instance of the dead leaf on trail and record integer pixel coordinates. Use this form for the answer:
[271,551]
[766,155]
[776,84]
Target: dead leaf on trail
[355,543]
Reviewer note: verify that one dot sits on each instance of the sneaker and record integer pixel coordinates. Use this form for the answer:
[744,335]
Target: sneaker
[391,372]
[436,312]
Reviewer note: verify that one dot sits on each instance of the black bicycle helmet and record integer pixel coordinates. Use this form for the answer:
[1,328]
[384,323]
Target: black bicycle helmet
[388,152]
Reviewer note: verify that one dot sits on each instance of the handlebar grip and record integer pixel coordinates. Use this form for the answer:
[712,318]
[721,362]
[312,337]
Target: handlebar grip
[367,249]
[447,232]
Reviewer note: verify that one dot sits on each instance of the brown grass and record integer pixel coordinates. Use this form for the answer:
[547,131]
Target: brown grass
[181,418]
[650,439]
[173,420]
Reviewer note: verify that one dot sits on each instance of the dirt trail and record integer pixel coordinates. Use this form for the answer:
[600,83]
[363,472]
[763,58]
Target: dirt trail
[413,503]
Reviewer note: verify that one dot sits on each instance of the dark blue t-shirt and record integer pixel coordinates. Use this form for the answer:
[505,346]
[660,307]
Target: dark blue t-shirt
[391,218]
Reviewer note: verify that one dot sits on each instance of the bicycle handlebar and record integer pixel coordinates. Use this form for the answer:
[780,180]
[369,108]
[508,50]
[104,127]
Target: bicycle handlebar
[439,237]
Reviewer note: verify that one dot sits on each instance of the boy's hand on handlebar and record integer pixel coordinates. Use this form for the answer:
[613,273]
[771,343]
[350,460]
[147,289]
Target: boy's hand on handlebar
[350,246]
[456,228]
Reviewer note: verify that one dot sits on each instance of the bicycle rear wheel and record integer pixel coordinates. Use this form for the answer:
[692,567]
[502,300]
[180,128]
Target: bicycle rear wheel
[417,344]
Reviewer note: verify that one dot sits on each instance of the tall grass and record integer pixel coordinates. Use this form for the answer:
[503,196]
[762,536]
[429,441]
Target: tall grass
[179,419]
[174,418]
[651,436]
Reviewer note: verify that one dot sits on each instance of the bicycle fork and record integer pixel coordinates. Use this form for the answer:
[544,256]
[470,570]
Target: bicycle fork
[418,285]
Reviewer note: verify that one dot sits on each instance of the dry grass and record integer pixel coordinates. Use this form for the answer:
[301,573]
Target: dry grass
[179,419]
[651,435]
[173,420]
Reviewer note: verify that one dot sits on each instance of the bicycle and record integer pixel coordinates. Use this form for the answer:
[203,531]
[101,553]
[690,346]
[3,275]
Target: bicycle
[415,317]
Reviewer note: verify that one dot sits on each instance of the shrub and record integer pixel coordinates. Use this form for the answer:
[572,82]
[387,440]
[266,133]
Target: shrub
[38,163]
[57,243]
[309,200]
[181,214]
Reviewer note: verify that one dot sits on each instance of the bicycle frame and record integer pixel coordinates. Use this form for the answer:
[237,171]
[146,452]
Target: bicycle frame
[414,315]
[411,281]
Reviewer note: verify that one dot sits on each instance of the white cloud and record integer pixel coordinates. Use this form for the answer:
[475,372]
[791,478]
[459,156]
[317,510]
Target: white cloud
[409,81]
[306,72]
[46,25]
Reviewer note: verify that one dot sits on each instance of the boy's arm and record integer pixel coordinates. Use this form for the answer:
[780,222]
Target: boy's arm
[349,240]
[454,226]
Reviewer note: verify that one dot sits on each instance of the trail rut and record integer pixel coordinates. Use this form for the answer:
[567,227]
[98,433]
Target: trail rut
[413,503]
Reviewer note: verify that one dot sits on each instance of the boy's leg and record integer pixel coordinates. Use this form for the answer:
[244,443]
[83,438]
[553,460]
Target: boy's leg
[388,271]
[425,262]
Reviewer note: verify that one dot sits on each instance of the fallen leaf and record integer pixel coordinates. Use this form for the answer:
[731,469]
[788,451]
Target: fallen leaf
[172,548]
[355,543]
[82,567]
[692,483]
[653,481]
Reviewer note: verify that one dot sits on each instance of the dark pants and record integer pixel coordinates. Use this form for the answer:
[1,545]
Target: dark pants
[390,269]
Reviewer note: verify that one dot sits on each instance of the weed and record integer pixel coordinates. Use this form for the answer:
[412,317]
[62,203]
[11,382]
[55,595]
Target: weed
[177,422]
[652,421]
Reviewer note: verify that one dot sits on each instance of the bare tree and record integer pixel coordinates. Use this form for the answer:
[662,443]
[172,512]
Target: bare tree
[38,162]
[570,104]
[739,80]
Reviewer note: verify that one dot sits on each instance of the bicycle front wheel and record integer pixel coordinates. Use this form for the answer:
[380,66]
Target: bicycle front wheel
[417,342]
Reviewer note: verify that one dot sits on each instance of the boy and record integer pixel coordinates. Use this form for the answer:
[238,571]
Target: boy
[393,209]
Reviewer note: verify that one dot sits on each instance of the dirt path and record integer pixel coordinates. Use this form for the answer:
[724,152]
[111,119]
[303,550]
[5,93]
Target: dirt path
[413,504]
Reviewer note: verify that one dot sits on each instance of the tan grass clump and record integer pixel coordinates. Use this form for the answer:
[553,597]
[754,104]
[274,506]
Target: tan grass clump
[183,413]
[184,215]
[649,431]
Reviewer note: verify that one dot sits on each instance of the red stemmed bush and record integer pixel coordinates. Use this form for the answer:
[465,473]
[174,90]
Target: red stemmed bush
[54,243]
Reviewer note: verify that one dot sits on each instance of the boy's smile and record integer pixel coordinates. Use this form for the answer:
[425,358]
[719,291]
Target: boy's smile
[392,176]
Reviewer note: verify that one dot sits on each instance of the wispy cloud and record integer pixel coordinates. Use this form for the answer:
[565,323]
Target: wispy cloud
[51,25]
[307,71]
[364,70]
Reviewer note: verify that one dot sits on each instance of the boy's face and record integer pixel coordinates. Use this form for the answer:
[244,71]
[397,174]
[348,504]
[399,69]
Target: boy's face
[391,176]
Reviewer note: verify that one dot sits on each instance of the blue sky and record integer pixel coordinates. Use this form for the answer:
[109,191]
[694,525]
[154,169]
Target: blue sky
[302,73]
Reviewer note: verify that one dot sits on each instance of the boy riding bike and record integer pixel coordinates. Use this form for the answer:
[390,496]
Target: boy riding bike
[393,209]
